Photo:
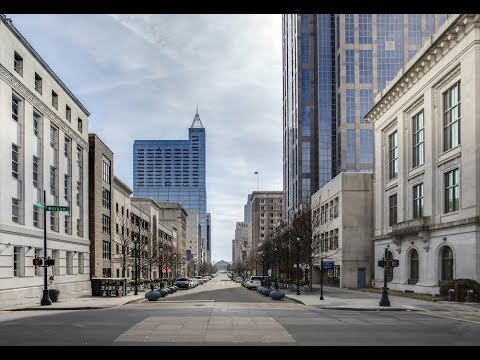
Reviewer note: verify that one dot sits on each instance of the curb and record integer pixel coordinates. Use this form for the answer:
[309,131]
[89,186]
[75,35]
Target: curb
[364,309]
[62,308]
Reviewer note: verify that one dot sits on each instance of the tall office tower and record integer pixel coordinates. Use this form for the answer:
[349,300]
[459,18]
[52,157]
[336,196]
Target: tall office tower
[174,170]
[333,66]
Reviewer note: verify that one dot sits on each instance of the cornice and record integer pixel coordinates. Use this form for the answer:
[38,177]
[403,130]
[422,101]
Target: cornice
[11,80]
[438,48]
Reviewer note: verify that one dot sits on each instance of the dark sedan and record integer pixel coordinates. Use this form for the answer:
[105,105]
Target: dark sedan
[182,283]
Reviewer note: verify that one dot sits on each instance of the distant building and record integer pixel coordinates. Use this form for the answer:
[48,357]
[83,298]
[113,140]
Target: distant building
[174,171]
[43,148]
[243,237]
[266,215]
[427,181]
[221,265]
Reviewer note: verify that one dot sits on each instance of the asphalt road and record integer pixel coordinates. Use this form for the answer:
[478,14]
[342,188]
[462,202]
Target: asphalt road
[224,313]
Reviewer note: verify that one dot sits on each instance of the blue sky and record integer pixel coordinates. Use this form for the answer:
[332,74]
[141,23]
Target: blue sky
[142,76]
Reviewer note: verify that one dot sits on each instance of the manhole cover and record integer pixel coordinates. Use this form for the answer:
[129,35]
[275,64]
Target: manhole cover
[199,305]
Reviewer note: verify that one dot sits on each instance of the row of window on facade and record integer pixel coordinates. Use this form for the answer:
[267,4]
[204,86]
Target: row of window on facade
[327,240]
[446,265]
[18,67]
[451,139]
[19,256]
[326,212]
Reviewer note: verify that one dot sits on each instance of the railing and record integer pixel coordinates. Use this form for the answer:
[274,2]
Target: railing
[410,226]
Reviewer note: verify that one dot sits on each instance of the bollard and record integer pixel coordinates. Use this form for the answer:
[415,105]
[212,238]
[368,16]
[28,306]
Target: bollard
[469,295]
[451,294]
[456,292]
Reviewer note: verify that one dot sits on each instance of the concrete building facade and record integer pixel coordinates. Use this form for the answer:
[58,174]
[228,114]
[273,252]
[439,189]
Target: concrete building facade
[342,230]
[44,149]
[427,173]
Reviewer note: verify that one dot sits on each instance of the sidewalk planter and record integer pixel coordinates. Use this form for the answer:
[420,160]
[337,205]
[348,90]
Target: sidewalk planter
[267,291]
[172,289]
[53,293]
[259,288]
[152,295]
[277,295]
[162,292]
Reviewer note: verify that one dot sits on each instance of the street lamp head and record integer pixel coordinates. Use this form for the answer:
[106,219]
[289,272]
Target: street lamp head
[298,239]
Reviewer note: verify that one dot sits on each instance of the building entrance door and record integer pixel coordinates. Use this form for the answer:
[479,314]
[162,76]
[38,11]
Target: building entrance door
[361,278]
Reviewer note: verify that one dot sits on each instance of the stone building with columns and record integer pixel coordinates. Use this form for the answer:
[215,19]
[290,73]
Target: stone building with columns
[426,162]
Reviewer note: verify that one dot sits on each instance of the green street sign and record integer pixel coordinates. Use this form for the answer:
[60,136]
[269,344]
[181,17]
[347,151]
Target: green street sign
[39,205]
[57,208]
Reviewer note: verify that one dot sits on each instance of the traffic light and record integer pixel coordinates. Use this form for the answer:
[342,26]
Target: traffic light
[49,262]
[393,263]
[37,262]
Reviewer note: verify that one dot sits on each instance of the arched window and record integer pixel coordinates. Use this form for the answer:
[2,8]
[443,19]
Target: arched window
[413,278]
[389,269]
[447,263]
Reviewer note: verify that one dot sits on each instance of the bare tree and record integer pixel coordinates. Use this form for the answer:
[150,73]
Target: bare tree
[124,239]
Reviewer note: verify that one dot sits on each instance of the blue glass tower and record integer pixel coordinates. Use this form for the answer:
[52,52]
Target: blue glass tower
[174,170]
[333,66]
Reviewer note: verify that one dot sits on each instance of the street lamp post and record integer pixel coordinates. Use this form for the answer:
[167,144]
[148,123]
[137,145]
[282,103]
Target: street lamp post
[136,265]
[384,301]
[46,296]
[321,279]
[263,264]
[256,261]
[276,268]
[298,266]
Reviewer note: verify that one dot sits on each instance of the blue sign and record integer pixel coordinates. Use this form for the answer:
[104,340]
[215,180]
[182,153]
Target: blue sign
[328,265]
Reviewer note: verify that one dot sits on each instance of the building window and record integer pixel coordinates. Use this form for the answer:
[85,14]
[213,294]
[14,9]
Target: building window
[350,102]
[54,100]
[52,180]
[351,147]
[38,84]
[452,191]
[393,155]
[418,139]
[451,117]
[365,67]
[366,101]
[15,108]
[36,121]
[413,278]
[15,210]
[78,193]
[68,113]
[79,228]
[53,221]
[349,29]
[365,28]
[36,217]
[80,125]
[69,261]
[366,146]
[116,207]
[15,161]
[81,261]
[35,171]
[18,261]
[106,171]
[417,201]
[18,63]
[105,224]
[66,186]
[106,250]
[67,147]
[53,136]
[67,224]
[447,263]
[349,66]
[106,198]
[392,204]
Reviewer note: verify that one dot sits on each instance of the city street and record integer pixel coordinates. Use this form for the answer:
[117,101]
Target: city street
[222,312]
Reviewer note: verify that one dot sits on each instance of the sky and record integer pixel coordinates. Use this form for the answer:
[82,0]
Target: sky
[142,76]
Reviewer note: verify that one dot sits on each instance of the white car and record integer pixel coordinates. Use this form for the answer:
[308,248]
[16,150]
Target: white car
[253,282]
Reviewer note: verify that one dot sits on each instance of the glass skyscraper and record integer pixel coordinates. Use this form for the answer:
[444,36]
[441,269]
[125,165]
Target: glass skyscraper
[333,66]
[174,170]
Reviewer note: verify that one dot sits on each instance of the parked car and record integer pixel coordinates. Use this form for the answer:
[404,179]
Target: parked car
[238,279]
[253,282]
[182,283]
[199,279]
[193,282]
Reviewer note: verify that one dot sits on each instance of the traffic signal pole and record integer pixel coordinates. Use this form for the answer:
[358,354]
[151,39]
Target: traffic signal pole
[46,297]
[384,301]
